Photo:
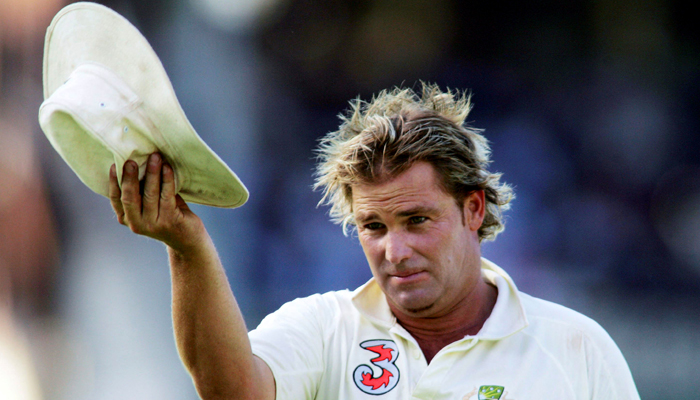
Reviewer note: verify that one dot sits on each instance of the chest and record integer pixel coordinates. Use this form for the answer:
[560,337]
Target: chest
[390,365]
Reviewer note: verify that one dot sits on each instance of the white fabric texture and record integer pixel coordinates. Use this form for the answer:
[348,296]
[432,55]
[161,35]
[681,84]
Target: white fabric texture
[528,349]
[108,99]
[95,119]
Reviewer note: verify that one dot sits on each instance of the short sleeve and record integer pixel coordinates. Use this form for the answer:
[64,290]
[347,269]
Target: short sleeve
[290,341]
[608,373]
[593,364]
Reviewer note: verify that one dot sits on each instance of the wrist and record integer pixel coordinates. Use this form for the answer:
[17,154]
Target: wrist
[197,246]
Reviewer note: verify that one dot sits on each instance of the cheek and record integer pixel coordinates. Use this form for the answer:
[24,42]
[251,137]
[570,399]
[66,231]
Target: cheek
[371,249]
[444,250]
[434,242]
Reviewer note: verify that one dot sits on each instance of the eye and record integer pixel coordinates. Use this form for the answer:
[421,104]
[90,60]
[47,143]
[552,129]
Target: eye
[417,220]
[373,226]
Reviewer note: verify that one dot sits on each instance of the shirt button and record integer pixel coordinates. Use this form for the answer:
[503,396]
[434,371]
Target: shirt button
[416,353]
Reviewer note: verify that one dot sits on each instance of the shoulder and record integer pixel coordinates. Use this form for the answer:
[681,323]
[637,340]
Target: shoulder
[580,345]
[569,335]
[545,310]
[329,301]
[303,322]
[558,327]
[552,318]
[291,341]
[317,309]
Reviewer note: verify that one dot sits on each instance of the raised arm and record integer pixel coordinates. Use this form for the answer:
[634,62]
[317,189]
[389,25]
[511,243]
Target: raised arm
[210,332]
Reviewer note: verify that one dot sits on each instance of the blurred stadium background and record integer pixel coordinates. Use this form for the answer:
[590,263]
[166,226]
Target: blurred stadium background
[591,108]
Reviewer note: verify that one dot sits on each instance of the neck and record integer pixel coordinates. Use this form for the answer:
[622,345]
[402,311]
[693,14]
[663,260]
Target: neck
[464,318]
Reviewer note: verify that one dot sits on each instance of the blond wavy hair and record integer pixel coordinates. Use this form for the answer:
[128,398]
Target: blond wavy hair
[380,139]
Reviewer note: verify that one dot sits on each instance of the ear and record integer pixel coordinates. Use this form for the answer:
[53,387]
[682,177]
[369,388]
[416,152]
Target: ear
[474,209]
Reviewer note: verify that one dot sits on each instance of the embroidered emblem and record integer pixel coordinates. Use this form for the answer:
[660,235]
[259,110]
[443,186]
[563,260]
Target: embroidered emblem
[488,392]
[365,377]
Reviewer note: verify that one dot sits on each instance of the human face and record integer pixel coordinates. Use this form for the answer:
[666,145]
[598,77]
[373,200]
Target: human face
[422,246]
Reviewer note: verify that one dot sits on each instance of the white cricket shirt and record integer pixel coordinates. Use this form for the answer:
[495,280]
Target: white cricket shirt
[348,345]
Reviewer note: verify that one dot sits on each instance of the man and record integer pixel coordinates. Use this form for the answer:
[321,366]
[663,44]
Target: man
[436,322]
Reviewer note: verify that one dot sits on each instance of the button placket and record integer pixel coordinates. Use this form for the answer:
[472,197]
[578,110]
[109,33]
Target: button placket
[415,352]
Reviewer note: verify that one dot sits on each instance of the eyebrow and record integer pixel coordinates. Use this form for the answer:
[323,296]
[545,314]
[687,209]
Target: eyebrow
[361,218]
[415,210]
[364,217]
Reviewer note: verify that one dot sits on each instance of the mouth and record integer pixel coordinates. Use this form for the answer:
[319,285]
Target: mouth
[406,277]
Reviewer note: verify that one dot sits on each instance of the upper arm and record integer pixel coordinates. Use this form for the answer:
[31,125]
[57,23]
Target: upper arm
[266,389]
[609,373]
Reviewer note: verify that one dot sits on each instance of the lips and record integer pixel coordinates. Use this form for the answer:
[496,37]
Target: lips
[409,276]
[403,274]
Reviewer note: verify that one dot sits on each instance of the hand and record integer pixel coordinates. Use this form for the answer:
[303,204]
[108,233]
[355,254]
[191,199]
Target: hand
[157,212]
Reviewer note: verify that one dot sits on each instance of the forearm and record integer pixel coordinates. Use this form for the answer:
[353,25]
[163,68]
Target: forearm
[210,332]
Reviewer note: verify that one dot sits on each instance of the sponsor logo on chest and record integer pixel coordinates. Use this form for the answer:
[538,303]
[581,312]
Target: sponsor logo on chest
[385,355]
[382,354]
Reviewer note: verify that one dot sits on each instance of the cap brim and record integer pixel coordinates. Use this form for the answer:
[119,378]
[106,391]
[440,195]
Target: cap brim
[91,33]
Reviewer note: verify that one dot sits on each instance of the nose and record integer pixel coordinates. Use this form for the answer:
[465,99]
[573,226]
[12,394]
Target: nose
[397,248]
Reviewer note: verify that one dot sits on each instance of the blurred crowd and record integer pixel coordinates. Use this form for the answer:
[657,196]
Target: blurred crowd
[591,109]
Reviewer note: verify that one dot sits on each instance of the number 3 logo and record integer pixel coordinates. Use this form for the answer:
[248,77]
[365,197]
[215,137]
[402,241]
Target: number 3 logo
[364,375]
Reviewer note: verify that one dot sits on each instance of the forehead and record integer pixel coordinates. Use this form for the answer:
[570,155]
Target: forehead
[419,185]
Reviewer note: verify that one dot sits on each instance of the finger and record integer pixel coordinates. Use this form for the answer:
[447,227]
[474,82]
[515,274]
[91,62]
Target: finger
[182,204]
[168,204]
[115,194]
[151,189]
[131,198]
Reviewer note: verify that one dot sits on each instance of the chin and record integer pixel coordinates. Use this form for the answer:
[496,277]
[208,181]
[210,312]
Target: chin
[421,310]
[416,306]
[412,299]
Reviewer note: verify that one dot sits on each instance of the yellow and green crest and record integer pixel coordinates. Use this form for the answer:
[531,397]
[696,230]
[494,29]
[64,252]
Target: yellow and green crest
[490,392]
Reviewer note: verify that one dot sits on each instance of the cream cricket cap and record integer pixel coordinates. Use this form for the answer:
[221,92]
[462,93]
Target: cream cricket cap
[108,99]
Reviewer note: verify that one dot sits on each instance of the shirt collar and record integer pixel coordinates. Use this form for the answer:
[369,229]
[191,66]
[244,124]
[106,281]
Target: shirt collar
[508,315]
